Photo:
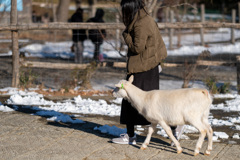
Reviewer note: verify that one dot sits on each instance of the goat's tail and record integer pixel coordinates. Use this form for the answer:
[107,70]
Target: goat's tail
[209,96]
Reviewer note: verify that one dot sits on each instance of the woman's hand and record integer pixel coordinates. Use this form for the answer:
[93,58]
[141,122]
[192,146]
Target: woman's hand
[126,36]
[125,31]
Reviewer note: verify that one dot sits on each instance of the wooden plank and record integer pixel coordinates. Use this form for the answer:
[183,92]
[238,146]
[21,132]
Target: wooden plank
[213,63]
[64,26]
[232,29]
[172,65]
[238,12]
[201,63]
[238,74]
[203,21]
[49,65]
[120,64]
[171,31]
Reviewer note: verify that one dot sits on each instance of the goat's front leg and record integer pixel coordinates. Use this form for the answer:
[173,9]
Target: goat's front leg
[147,140]
[170,134]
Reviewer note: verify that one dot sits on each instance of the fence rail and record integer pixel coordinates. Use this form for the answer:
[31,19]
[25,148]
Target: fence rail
[64,26]
[49,65]
[15,28]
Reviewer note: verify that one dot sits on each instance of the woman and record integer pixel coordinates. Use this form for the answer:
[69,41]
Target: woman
[146,50]
[95,36]
[78,36]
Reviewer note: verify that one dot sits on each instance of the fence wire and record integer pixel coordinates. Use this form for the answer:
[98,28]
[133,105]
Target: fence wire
[55,47]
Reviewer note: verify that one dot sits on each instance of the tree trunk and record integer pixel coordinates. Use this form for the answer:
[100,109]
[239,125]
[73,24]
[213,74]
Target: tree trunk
[62,10]
[27,10]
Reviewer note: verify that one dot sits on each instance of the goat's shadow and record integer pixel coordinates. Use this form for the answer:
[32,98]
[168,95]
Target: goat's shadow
[160,144]
[88,127]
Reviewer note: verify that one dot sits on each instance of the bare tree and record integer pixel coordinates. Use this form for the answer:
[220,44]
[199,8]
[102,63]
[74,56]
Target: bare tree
[78,3]
[28,10]
[154,5]
[3,7]
[151,4]
[189,73]
[62,10]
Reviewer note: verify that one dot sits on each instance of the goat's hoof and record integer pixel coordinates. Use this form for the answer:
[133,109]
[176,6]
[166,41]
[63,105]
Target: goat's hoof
[142,148]
[196,153]
[179,151]
[207,153]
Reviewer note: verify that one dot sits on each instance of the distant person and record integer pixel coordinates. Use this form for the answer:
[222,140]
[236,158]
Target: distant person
[45,18]
[95,35]
[78,36]
[34,17]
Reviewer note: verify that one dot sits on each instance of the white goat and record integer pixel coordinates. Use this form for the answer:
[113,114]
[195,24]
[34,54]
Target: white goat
[170,108]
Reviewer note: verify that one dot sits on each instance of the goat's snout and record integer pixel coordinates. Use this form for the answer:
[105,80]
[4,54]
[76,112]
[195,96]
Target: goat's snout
[114,92]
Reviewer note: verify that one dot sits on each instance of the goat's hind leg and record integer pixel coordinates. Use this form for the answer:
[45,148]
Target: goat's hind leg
[170,134]
[203,130]
[148,138]
[210,135]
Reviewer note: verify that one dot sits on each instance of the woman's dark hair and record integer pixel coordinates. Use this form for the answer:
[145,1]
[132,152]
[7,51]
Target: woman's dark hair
[129,9]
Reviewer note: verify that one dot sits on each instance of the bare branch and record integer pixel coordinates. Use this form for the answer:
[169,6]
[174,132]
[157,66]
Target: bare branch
[177,5]
[115,48]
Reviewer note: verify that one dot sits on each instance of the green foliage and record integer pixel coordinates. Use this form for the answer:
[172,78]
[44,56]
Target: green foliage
[80,78]
[87,75]
[211,83]
[224,88]
[27,78]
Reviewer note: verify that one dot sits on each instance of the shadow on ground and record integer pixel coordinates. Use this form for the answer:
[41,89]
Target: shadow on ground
[87,126]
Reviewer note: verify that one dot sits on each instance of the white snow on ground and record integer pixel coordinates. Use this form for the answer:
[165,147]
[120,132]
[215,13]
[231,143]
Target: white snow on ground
[55,111]
[4,108]
[234,103]
[222,135]
[188,41]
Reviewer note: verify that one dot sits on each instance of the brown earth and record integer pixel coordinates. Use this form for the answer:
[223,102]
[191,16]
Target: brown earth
[55,79]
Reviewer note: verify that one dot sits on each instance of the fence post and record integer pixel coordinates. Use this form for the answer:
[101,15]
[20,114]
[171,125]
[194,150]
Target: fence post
[203,21]
[15,53]
[171,31]
[54,18]
[92,8]
[166,18]
[238,74]
[232,29]
[238,12]
[117,33]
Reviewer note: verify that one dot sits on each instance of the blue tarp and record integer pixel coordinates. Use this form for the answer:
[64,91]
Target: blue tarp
[5,5]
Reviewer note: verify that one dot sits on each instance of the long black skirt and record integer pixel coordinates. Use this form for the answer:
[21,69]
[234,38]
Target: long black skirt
[146,81]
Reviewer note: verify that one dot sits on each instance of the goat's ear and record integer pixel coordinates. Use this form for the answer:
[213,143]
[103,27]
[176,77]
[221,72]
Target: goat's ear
[118,85]
[131,79]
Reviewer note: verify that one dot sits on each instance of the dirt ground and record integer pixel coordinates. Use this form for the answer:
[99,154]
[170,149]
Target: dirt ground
[52,78]
[55,79]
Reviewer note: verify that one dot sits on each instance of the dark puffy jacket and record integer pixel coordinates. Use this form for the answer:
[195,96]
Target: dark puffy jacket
[78,34]
[94,34]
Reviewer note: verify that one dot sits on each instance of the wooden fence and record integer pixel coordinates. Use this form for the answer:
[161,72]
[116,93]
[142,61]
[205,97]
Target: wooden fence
[15,28]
